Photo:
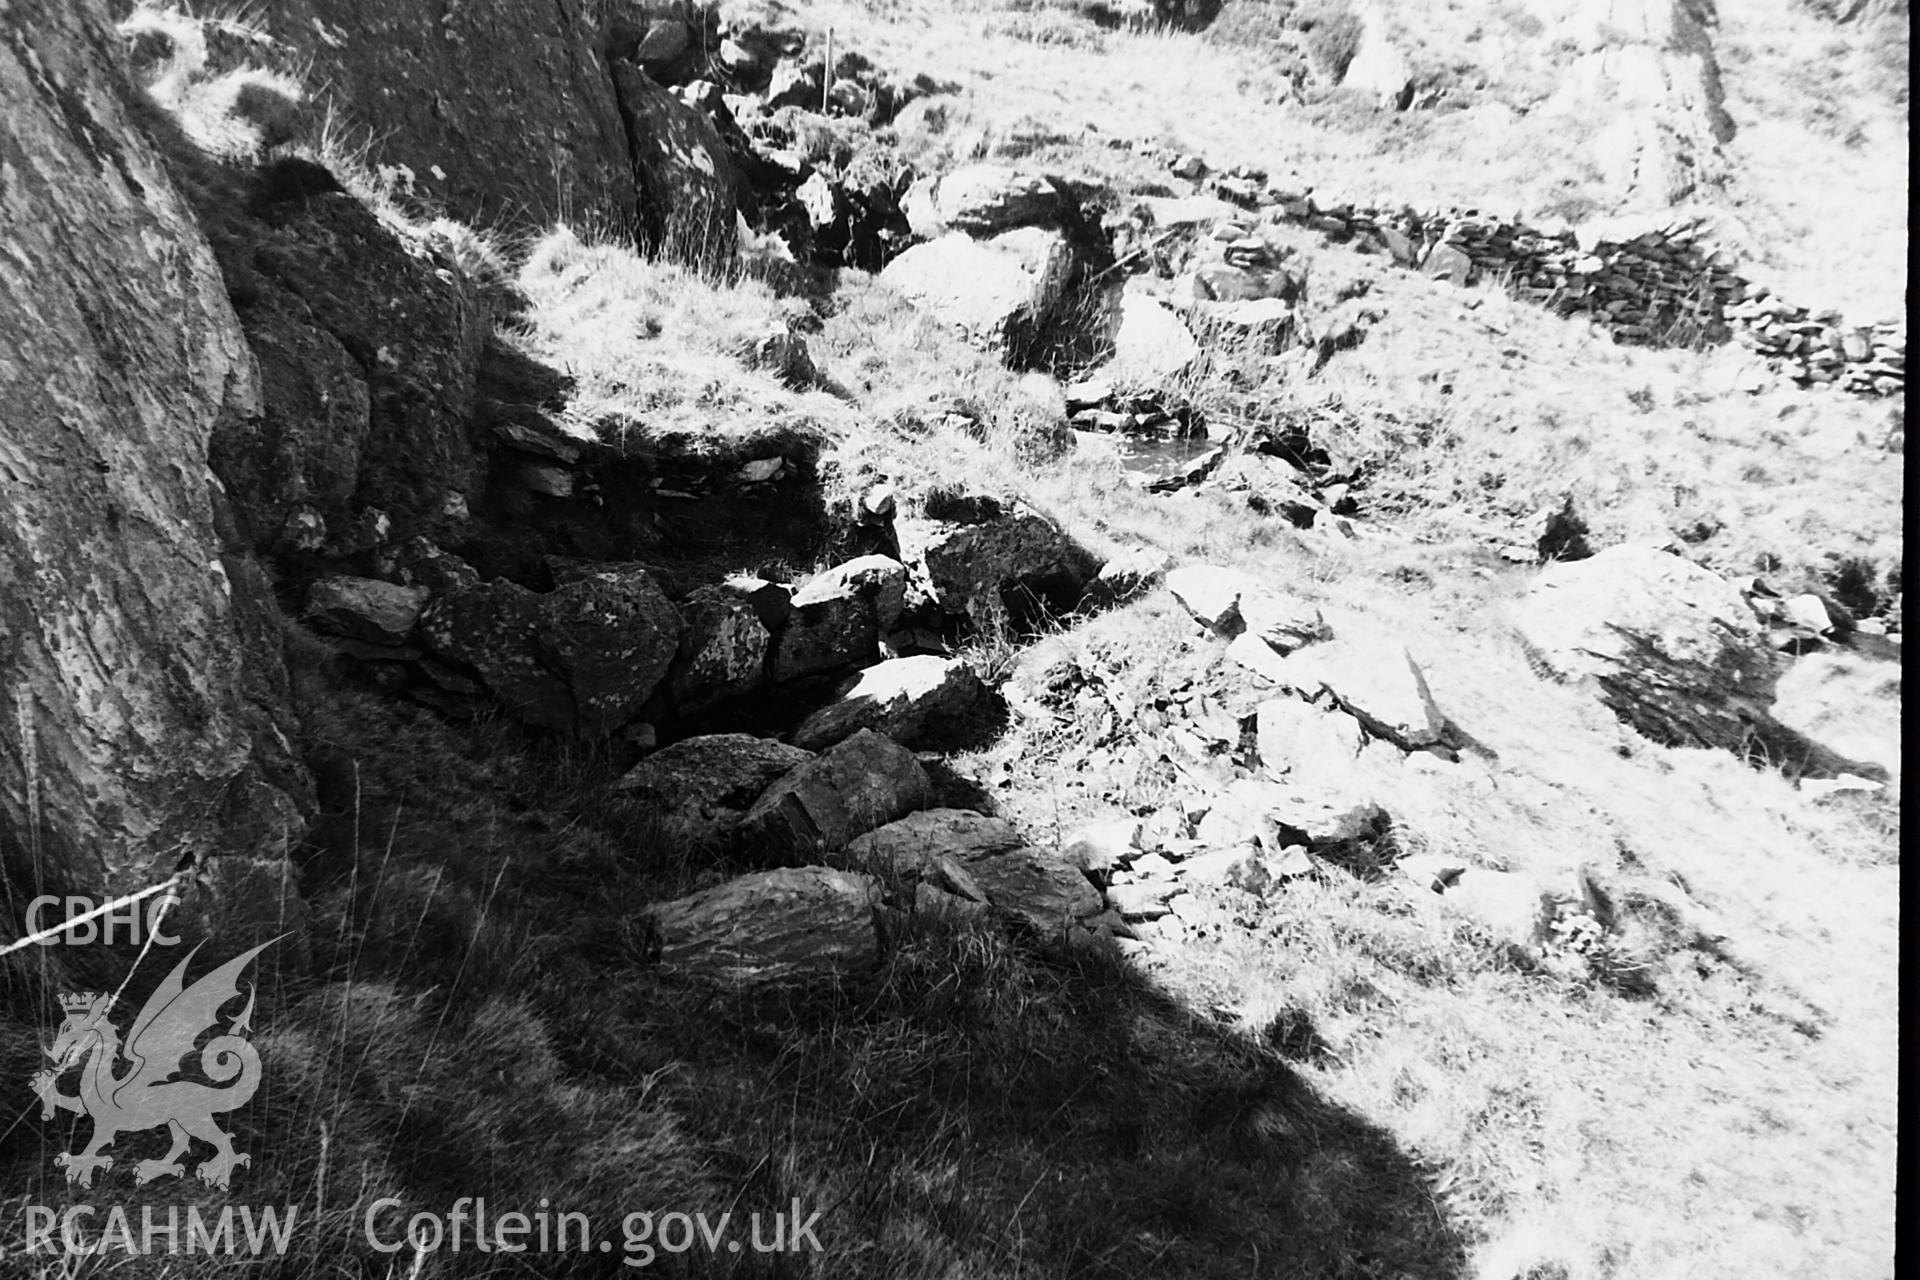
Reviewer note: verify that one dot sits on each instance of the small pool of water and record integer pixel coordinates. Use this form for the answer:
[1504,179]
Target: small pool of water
[1154,456]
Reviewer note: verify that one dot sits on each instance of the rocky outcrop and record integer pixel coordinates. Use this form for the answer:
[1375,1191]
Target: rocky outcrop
[369,354]
[138,653]
[1673,649]
[1650,67]
[477,105]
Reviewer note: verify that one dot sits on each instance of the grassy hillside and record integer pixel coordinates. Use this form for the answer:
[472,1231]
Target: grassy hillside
[1345,1077]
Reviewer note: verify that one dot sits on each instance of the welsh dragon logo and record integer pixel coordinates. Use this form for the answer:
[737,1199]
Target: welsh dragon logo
[146,1094]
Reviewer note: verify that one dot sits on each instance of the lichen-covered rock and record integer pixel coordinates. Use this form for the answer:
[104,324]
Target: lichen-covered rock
[1672,648]
[723,654]
[476,105]
[908,699]
[612,637]
[490,628]
[138,713]
[583,659]
[688,194]
[1151,343]
[773,926]
[860,784]
[698,789]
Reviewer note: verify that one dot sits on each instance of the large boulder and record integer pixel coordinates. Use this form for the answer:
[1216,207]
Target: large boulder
[908,699]
[862,783]
[1378,69]
[1151,344]
[965,853]
[838,617]
[995,566]
[697,790]
[1029,293]
[478,105]
[773,926]
[689,196]
[139,719]
[583,659]
[1671,648]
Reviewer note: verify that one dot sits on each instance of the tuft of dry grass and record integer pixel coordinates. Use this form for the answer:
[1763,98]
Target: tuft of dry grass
[654,348]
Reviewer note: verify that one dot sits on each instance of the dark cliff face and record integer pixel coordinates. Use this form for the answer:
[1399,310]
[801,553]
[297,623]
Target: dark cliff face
[502,112]
[138,665]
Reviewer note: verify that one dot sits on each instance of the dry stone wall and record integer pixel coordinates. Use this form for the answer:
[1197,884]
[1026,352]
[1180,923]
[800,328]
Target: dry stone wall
[1654,280]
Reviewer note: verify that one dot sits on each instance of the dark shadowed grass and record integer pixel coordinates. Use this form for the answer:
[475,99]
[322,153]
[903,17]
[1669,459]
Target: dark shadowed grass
[469,1024]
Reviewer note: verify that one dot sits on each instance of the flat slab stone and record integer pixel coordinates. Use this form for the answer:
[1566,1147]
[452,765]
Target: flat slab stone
[773,926]
[1034,886]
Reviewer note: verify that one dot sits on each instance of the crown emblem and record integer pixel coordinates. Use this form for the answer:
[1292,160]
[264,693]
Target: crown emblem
[78,1001]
